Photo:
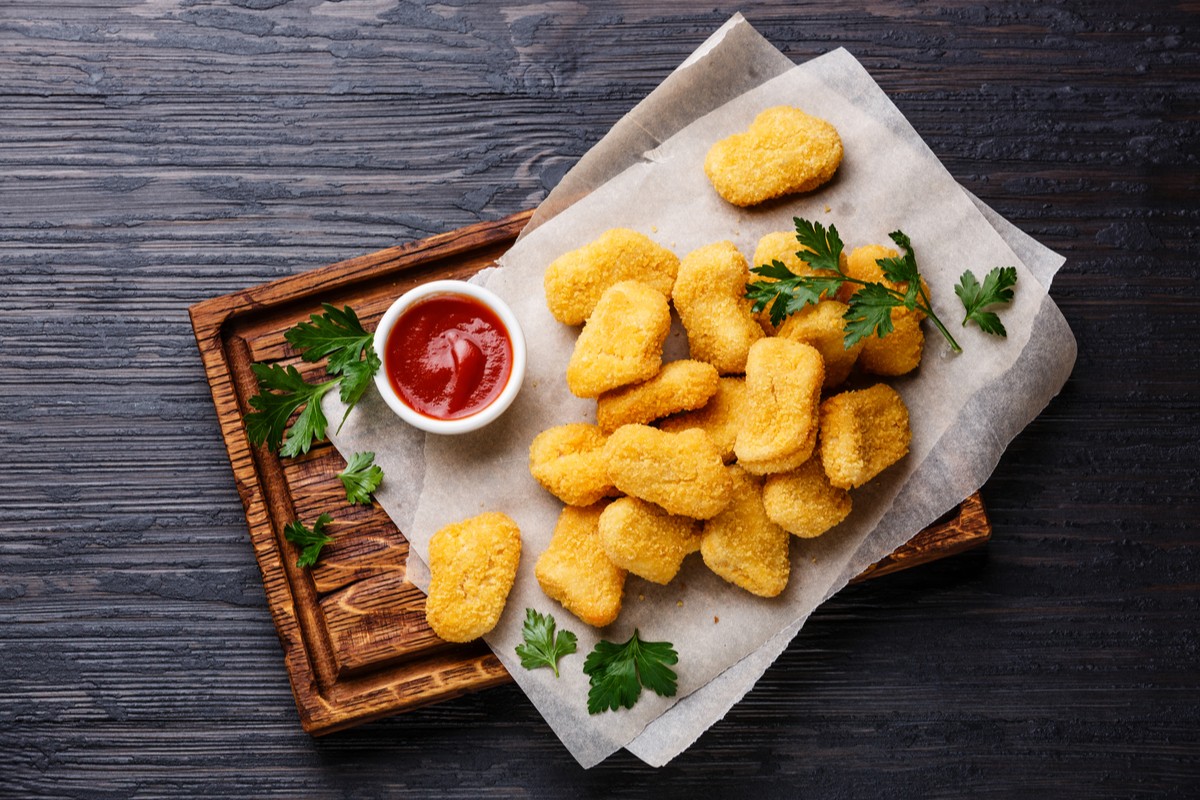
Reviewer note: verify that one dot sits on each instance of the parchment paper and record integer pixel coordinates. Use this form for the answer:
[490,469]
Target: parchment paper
[965,409]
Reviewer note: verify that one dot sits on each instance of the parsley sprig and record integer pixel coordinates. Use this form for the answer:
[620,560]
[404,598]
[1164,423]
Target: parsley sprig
[352,362]
[996,288]
[870,307]
[309,540]
[542,648]
[360,478]
[617,672]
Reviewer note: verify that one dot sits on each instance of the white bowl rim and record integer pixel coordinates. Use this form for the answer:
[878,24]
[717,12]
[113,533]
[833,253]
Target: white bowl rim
[484,415]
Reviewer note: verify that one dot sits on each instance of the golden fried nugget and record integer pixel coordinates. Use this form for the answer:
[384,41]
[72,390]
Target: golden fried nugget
[863,263]
[784,151]
[900,351]
[742,544]
[568,461]
[574,281]
[622,341]
[824,327]
[575,571]
[472,565]
[781,246]
[642,538]
[720,418]
[710,298]
[862,434]
[783,389]
[682,472]
[803,502]
[679,386]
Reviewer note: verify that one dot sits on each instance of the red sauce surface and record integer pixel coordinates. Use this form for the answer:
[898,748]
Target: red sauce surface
[448,356]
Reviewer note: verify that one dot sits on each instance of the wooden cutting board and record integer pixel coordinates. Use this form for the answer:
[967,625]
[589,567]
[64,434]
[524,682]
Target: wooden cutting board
[355,642]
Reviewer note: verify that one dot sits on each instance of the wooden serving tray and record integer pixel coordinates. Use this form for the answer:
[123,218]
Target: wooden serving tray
[353,629]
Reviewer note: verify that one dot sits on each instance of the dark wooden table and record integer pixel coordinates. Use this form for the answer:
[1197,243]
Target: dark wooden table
[153,154]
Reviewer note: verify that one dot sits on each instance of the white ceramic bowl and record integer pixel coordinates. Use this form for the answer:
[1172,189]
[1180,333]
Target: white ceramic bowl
[484,415]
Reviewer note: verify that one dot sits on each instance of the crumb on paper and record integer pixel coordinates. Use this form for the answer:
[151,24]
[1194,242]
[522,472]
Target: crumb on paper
[716,619]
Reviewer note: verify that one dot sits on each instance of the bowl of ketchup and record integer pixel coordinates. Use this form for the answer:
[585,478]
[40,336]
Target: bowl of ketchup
[453,357]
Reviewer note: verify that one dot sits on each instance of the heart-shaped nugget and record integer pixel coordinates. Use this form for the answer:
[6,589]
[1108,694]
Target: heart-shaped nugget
[784,151]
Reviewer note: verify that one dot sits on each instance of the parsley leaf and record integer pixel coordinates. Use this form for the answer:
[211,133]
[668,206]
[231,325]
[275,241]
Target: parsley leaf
[310,541]
[273,410]
[824,247]
[904,269]
[337,334]
[996,288]
[787,293]
[542,648]
[361,477]
[870,312]
[617,672]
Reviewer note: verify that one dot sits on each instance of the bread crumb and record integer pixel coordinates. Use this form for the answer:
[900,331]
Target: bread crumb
[716,620]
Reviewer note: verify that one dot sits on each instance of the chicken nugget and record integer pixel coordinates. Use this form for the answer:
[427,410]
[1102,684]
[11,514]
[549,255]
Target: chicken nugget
[682,472]
[622,341]
[575,571]
[781,246]
[742,544]
[803,502]
[783,389]
[642,538]
[720,418]
[568,461]
[862,434]
[679,386]
[710,298]
[900,351]
[575,281]
[784,151]
[824,327]
[472,565]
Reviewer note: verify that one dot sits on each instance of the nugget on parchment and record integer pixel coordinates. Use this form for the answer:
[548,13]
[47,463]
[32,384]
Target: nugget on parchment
[622,341]
[784,151]
[900,351]
[645,540]
[575,571]
[679,386]
[781,246]
[682,472]
[568,461]
[783,389]
[710,298]
[823,326]
[574,281]
[720,418]
[803,502]
[742,545]
[862,434]
[472,565]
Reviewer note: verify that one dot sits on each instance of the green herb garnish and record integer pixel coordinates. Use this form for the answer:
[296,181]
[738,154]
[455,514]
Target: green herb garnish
[619,671]
[360,478]
[542,648]
[996,288]
[309,541]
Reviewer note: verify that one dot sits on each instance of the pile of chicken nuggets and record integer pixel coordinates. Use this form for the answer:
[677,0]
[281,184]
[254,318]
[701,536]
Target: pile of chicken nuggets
[751,440]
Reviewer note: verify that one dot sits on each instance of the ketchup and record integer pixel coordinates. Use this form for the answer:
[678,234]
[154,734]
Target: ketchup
[448,356]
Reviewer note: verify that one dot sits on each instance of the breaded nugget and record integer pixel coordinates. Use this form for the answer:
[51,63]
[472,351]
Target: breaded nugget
[679,386]
[472,565]
[622,341]
[803,502]
[720,418]
[900,351]
[568,461]
[862,434]
[575,572]
[742,545]
[783,389]
[784,151]
[710,298]
[823,326]
[645,540]
[781,246]
[574,281]
[682,472]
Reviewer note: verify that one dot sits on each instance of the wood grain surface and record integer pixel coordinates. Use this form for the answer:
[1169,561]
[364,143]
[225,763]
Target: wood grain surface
[154,153]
